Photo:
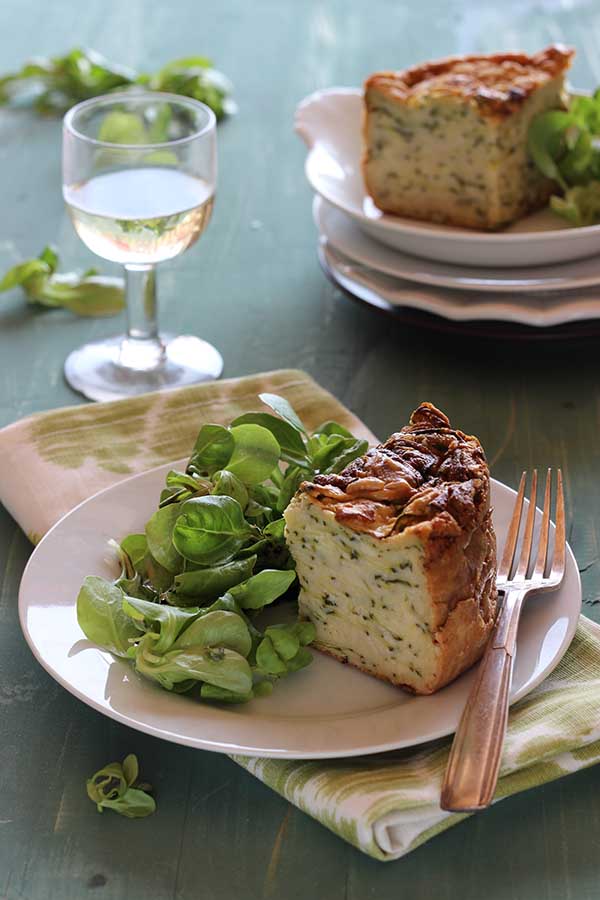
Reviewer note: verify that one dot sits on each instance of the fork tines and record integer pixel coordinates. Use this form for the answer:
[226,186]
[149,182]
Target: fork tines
[515,570]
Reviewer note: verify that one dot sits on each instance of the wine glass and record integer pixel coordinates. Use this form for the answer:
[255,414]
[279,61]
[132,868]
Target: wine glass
[139,177]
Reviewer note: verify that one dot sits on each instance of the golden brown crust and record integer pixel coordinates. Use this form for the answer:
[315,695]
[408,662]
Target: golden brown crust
[432,482]
[463,637]
[428,471]
[497,83]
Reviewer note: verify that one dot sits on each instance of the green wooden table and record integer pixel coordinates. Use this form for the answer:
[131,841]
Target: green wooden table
[254,288]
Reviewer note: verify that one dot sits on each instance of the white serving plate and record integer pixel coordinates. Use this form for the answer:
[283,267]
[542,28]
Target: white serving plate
[329,122]
[343,234]
[327,710]
[537,310]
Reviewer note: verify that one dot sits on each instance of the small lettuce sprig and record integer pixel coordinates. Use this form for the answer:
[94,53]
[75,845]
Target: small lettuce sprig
[89,294]
[116,787]
[212,556]
[54,84]
[563,145]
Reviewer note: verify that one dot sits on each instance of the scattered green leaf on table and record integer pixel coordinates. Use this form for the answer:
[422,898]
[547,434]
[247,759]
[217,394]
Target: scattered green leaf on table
[195,77]
[89,294]
[54,84]
[115,787]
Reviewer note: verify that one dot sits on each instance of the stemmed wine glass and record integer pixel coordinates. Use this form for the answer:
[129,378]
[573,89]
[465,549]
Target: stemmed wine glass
[139,178]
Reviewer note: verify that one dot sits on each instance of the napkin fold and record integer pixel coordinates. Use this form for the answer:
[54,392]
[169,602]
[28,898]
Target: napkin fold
[51,461]
[386,805]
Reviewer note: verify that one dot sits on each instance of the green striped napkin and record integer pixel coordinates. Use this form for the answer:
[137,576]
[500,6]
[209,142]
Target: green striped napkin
[385,805]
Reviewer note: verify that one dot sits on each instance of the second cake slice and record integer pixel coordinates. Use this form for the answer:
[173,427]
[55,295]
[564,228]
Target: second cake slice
[447,141]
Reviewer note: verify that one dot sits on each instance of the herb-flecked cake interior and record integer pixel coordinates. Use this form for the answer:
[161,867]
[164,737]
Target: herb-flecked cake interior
[447,141]
[396,555]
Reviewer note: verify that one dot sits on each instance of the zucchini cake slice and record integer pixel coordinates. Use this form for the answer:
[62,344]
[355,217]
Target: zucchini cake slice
[396,555]
[447,141]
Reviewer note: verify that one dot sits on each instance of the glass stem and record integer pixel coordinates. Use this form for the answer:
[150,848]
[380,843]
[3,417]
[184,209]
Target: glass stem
[142,347]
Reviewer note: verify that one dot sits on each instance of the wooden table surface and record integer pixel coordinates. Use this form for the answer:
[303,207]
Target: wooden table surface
[254,288]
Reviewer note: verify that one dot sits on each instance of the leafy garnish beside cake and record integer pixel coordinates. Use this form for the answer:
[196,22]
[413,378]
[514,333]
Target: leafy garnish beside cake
[212,556]
[564,145]
[393,548]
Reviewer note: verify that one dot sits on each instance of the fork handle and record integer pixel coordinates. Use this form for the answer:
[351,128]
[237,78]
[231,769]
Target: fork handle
[474,762]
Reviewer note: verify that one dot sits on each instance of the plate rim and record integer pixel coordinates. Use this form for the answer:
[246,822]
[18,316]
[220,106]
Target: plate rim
[529,285]
[536,321]
[220,747]
[417,227]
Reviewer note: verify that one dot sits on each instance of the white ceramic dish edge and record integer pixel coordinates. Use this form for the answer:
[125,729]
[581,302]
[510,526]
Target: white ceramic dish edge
[535,311]
[344,234]
[328,121]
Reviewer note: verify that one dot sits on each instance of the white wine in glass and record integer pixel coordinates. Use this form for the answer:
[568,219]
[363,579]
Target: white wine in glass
[140,215]
[139,176]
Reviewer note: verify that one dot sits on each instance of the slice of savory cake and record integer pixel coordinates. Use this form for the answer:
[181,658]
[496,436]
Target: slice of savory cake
[396,555]
[447,141]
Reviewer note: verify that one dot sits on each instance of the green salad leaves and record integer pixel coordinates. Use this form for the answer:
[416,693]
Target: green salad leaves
[213,556]
[52,85]
[563,145]
[88,294]
[116,787]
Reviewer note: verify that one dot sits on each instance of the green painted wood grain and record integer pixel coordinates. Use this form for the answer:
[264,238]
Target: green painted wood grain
[254,288]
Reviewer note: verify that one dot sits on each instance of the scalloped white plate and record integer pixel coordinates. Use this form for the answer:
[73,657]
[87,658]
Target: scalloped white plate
[344,234]
[458,306]
[329,122]
[327,710]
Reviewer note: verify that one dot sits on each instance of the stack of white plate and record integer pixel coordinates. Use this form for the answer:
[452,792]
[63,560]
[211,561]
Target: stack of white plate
[538,272]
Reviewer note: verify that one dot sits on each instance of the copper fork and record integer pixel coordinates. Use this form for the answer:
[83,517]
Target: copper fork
[474,762]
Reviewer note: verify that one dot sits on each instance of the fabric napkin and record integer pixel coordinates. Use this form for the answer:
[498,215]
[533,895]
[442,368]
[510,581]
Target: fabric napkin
[385,805]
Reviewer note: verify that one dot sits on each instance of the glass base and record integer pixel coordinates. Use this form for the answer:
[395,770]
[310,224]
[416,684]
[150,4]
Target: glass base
[97,370]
